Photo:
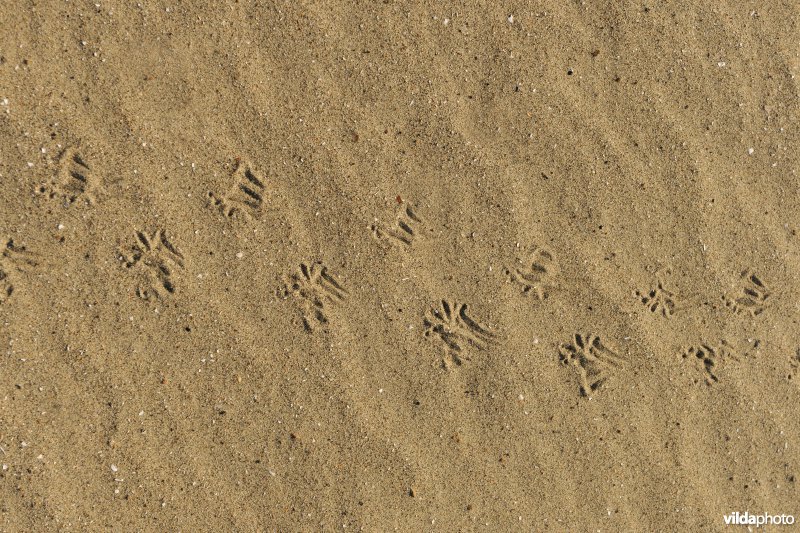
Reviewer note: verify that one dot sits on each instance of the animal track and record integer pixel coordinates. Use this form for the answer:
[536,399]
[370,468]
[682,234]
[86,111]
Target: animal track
[74,179]
[709,359]
[245,196]
[591,359]
[316,288]
[659,299]
[455,328]
[794,362]
[157,259]
[13,257]
[752,297]
[538,275]
[403,233]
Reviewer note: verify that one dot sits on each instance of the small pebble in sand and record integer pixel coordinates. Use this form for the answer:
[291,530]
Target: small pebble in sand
[239,255]
[60,227]
[750,151]
[511,19]
[114,468]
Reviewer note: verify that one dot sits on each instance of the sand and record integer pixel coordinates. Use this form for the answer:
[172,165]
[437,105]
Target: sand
[295,266]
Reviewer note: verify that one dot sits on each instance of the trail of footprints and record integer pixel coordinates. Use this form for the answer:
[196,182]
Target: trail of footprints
[157,261]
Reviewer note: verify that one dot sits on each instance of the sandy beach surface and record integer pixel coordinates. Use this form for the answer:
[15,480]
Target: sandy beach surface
[398,266]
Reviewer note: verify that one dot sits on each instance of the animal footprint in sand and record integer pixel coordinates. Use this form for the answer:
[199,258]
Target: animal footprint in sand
[455,328]
[709,359]
[157,259]
[403,233]
[74,179]
[752,297]
[316,288]
[246,195]
[794,362]
[591,359]
[538,275]
[659,299]
[13,258]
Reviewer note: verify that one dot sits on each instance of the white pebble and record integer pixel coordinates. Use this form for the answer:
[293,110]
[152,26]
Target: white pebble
[114,468]
[750,151]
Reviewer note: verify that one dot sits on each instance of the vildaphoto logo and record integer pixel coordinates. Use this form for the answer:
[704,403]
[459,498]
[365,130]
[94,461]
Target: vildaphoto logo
[758,520]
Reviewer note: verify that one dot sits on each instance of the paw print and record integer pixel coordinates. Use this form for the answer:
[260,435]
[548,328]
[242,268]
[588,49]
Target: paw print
[403,232]
[455,329]
[794,363]
[157,259]
[659,299]
[591,359]
[314,286]
[752,297]
[17,258]
[709,358]
[537,277]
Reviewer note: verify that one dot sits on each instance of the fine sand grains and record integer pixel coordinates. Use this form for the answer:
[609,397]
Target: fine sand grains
[398,267]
